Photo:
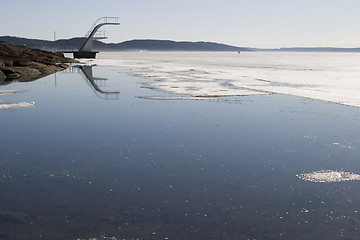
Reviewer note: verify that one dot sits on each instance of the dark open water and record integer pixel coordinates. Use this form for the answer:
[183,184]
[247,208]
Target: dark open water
[78,166]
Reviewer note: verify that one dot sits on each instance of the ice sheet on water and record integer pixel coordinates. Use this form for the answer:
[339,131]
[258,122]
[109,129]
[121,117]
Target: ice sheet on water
[329,176]
[8,92]
[17,105]
[333,77]
[4,105]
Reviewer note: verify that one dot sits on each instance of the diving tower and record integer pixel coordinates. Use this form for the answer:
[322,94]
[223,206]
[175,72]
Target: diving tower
[85,50]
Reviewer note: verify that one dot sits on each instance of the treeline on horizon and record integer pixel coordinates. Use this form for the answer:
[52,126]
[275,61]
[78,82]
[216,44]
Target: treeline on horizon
[73,44]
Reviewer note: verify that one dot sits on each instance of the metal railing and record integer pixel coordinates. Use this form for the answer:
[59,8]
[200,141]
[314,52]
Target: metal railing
[103,20]
[100,34]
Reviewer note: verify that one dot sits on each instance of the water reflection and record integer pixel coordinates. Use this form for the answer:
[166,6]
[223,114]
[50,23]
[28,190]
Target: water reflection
[96,81]
[78,167]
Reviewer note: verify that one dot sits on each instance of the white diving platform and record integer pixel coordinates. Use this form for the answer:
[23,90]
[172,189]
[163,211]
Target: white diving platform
[85,50]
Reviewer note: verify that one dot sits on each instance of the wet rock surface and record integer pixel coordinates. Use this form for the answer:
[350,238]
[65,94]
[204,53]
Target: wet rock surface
[19,63]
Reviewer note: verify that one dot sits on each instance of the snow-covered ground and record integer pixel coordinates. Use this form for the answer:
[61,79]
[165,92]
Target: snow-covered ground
[333,77]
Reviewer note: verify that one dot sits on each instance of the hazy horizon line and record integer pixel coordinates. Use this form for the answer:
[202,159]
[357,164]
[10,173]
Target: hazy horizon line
[197,41]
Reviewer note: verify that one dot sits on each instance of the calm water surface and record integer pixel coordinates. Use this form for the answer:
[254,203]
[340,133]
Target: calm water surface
[84,164]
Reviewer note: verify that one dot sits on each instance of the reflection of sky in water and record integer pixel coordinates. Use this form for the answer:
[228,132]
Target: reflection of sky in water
[80,166]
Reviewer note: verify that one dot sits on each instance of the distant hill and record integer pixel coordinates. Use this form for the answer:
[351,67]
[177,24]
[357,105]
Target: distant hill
[167,45]
[74,44]
[58,45]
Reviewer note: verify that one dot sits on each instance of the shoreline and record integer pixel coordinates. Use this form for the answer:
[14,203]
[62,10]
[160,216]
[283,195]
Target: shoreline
[23,64]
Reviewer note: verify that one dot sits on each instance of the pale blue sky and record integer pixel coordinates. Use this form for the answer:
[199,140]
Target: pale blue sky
[249,23]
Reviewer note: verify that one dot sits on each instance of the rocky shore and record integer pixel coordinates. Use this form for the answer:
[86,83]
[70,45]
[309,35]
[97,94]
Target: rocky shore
[19,63]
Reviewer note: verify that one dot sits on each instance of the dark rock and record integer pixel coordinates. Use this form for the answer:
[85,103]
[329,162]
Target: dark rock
[12,76]
[2,76]
[10,73]
[21,63]
[7,62]
[25,64]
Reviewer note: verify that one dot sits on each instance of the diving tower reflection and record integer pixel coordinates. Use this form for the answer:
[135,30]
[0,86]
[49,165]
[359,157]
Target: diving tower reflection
[95,81]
